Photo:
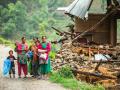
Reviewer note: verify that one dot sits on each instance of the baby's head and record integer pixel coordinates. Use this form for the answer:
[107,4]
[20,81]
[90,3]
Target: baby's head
[11,52]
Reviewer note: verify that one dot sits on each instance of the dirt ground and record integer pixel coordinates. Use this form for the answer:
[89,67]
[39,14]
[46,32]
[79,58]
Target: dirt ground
[22,84]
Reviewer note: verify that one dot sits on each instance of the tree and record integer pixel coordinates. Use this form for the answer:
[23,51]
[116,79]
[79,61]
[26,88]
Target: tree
[14,19]
[31,18]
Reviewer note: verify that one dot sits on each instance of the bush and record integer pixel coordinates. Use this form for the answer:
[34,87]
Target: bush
[66,72]
[4,41]
[72,83]
[52,55]
[65,77]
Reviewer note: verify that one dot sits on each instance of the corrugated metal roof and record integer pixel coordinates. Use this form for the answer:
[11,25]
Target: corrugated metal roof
[80,8]
[77,8]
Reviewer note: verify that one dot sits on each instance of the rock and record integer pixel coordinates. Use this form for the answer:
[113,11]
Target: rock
[58,60]
[58,56]
[76,66]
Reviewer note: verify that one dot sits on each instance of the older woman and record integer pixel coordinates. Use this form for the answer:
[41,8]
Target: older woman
[22,49]
[44,60]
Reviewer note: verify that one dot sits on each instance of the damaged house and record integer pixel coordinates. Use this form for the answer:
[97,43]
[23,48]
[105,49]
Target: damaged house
[94,24]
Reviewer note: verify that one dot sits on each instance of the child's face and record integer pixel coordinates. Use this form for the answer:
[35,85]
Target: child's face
[11,53]
[37,43]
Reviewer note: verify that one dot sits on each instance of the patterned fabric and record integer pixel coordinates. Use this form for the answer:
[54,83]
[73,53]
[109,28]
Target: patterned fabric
[22,56]
[45,66]
[41,61]
[45,46]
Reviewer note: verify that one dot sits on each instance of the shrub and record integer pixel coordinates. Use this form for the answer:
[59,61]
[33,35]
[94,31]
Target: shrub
[4,41]
[65,72]
[72,83]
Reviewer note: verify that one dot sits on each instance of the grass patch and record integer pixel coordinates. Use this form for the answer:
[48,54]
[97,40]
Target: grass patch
[72,83]
[65,77]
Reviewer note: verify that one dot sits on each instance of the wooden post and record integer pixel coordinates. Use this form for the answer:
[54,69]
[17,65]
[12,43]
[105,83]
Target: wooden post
[113,31]
[89,51]
[98,50]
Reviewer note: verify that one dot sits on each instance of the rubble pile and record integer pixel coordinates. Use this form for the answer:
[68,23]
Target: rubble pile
[66,57]
[86,68]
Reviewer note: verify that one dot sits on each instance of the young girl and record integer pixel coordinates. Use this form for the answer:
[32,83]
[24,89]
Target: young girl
[11,58]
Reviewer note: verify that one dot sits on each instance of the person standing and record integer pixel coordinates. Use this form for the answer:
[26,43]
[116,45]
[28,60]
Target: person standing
[35,60]
[22,49]
[44,60]
[12,58]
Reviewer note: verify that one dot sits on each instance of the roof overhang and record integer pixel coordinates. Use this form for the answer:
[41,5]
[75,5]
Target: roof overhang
[78,8]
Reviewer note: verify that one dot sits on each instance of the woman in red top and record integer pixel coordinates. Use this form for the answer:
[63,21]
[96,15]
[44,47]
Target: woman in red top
[22,49]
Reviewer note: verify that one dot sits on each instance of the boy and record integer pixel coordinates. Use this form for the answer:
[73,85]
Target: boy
[12,58]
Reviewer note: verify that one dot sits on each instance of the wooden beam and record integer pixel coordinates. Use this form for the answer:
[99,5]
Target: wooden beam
[94,74]
[57,30]
[108,61]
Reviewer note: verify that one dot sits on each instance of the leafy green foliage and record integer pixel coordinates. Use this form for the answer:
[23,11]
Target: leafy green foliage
[3,41]
[65,77]
[14,19]
[72,83]
[31,18]
[65,72]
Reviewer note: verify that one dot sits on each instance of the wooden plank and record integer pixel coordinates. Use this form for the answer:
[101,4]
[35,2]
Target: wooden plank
[94,74]
[109,61]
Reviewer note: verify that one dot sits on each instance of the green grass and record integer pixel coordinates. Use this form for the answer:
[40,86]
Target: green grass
[7,42]
[72,83]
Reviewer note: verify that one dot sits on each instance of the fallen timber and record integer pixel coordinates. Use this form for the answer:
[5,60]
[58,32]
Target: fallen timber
[95,49]
[62,33]
[94,74]
[83,68]
[108,61]
[58,31]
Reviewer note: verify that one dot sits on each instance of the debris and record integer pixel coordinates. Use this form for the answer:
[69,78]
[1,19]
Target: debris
[86,67]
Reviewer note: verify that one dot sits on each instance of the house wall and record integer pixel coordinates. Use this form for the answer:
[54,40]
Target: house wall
[102,34]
